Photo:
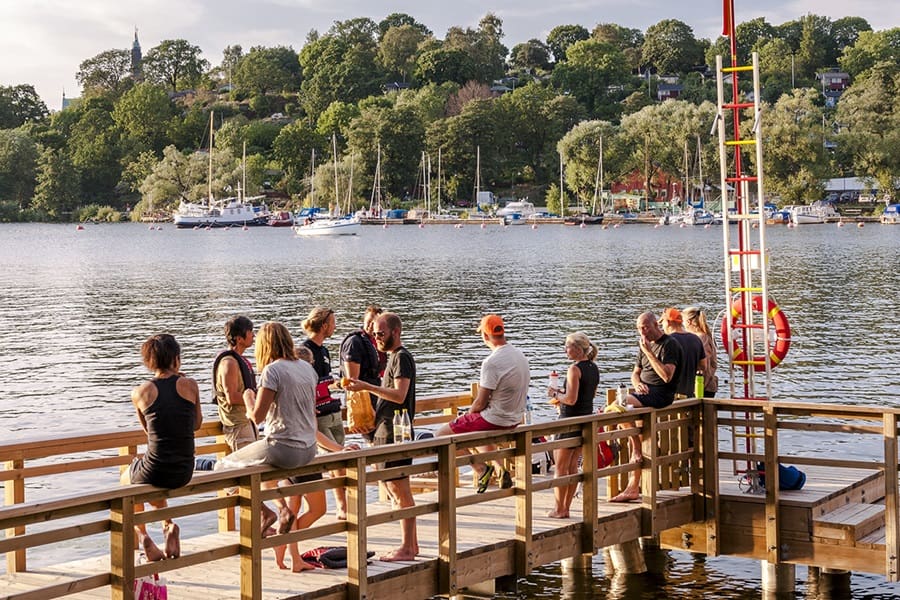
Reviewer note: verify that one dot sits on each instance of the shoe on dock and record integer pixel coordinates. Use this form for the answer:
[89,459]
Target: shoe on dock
[485,480]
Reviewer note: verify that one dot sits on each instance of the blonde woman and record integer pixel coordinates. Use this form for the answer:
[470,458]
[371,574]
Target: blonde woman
[577,399]
[286,401]
[695,322]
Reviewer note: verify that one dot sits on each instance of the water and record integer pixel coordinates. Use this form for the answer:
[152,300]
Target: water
[76,306]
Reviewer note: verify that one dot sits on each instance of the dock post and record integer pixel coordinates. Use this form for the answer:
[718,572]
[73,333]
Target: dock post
[626,558]
[582,562]
[577,576]
[834,583]
[778,578]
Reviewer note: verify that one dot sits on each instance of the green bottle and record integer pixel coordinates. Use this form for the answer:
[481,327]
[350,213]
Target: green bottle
[698,385]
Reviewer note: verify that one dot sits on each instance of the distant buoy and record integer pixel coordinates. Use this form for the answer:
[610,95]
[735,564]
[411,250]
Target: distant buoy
[151,227]
[483,225]
[534,226]
[196,227]
[683,225]
[159,227]
[616,226]
[245,228]
[605,226]
[860,225]
[581,226]
[707,226]
[755,225]
[840,224]
[654,227]
[421,225]
[384,226]
[79,228]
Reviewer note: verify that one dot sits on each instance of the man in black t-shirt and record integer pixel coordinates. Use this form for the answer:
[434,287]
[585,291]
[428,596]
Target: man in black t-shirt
[693,356]
[397,391]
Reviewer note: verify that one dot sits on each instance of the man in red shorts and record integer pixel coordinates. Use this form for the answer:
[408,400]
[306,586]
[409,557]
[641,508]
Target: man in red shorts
[500,403]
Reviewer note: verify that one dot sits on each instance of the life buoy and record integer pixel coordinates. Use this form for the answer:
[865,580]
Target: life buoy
[779,321]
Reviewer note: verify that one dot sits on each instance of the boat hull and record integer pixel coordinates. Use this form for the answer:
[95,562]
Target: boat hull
[328,227]
[188,222]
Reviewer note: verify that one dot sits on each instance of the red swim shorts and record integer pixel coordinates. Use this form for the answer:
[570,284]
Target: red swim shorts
[470,422]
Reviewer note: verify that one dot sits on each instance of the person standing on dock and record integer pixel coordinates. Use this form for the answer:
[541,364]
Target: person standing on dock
[396,392]
[319,325]
[502,396]
[168,407]
[655,380]
[695,322]
[577,400]
[232,374]
[693,355]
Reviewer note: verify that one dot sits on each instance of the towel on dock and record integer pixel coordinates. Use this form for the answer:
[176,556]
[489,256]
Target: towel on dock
[329,557]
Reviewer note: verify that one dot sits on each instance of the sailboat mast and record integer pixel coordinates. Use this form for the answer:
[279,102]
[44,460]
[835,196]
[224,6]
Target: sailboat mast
[477,173]
[337,198]
[350,188]
[312,178]
[687,194]
[439,182]
[375,201]
[211,144]
[243,192]
[562,209]
[700,173]
[598,179]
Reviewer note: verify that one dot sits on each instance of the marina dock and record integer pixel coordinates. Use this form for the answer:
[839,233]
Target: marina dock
[845,517]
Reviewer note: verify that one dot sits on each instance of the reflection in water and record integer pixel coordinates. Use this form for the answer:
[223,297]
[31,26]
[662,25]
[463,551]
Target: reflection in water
[77,305]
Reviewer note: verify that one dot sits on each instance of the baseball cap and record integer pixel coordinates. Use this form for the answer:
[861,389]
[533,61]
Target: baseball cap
[491,324]
[671,314]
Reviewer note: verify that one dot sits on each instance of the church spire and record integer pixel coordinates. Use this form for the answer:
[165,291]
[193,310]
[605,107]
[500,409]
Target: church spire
[136,70]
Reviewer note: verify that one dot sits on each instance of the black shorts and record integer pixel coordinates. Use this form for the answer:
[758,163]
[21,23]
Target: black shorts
[305,478]
[656,397]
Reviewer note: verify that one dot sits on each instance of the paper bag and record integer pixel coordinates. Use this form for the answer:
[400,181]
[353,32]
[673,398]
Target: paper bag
[360,414]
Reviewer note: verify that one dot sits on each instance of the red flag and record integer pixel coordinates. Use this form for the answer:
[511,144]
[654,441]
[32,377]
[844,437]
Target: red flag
[728,11]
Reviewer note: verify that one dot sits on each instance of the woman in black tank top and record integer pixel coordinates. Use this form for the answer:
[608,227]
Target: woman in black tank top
[168,407]
[577,400]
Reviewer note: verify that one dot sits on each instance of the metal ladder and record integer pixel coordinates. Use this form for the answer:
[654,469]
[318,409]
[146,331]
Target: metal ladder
[745,256]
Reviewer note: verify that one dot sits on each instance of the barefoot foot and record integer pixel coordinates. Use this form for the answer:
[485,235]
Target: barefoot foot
[173,540]
[558,514]
[285,520]
[298,565]
[626,496]
[399,554]
[151,550]
[268,519]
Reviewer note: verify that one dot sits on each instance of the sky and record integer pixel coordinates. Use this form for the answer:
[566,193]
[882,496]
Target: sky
[42,42]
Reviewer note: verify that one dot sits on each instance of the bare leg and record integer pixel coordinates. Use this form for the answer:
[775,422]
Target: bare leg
[314,503]
[173,541]
[402,496]
[294,504]
[340,497]
[566,464]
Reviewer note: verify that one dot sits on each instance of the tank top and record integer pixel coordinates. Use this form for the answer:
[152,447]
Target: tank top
[587,389]
[169,461]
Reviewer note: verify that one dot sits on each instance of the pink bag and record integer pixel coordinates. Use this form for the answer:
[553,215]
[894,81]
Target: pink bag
[151,587]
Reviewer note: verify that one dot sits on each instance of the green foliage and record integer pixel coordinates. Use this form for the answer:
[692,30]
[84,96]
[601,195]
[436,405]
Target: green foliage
[401,136]
[557,203]
[444,65]
[18,166]
[95,151]
[106,73]
[398,49]
[562,36]
[595,73]
[20,104]
[293,152]
[142,114]
[95,212]
[175,64]
[530,56]
[266,70]
[671,47]
[337,118]
[57,190]
[334,68]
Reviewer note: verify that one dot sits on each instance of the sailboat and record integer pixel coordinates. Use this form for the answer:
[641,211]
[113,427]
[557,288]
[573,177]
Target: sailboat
[696,212]
[227,212]
[585,217]
[335,223]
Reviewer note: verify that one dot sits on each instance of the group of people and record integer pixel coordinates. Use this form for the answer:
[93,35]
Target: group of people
[294,404]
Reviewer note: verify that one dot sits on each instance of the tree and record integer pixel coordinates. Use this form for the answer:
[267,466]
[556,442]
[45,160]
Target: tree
[871,48]
[336,68]
[400,20]
[629,41]
[816,46]
[143,114]
[845,31]
[186,177]
[401,136]
[562,36]
[95,150]
[482,45]
[751,35]
[398,48]
[794,162]
[530,56]
[337,118]
[267,70]
[175,64]
[445,64]
[57,190]
[293,151]
[430,102]
[230,57]
[868,116]
[467,93]
[595,73]
[106,73]
[671,47]
[18,166]
[580,149]
[20,104]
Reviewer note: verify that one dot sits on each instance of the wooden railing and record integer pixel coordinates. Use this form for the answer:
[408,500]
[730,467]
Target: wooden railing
[769,423]
[111,511]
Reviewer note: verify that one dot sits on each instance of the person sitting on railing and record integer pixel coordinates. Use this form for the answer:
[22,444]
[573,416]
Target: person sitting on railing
[655,380]
[501,399]
[168,407]
[287,403]
[576,400]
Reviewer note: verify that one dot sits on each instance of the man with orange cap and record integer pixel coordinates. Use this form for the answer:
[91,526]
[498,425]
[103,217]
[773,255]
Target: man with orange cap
[501,399]
[693,356]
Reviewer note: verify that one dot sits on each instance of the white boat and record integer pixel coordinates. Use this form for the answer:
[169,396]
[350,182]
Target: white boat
[516,212]
[817,212]
[227,212]
[328,226]
[698,216]
[891,215]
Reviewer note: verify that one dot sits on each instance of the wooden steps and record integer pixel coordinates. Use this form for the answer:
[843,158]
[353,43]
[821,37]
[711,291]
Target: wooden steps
[848,524]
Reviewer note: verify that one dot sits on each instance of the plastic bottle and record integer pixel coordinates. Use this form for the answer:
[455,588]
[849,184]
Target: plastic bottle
[398,427]
[405,427]
[699,385]
[554,382]
[529,411]
[622,394]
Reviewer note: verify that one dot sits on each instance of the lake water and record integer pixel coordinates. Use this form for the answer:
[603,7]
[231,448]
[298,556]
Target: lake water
[76,305]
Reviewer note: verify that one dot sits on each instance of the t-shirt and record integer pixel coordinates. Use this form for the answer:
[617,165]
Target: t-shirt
[292,417]
[668,352]
[400,365]
[358,348]
[692,353]
[506,372]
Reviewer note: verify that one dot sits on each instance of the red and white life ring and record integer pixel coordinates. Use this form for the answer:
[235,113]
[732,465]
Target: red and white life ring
[774,315]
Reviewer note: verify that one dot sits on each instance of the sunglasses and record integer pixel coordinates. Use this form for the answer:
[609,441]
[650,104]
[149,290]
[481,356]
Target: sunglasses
[379,334]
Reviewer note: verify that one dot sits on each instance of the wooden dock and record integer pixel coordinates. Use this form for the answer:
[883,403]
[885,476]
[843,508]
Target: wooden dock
[844,518]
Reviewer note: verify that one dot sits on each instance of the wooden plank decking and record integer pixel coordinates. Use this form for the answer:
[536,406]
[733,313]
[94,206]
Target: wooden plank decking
[486,544]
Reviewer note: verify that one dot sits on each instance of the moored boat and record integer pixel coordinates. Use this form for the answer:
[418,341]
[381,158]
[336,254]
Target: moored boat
[817,212]
[229,212]
[327,227]
[282,218]
[584,219]
[891,215]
